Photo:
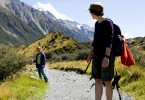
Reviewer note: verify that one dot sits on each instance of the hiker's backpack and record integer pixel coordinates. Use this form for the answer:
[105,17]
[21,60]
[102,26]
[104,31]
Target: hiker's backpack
[118,41]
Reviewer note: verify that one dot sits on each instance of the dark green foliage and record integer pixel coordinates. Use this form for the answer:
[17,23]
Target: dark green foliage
[49,55]
[82,55]
[138,56]
[143,47]
[78,55]
[76,51]
[10,62]
[55,58]
[65,57]
[138,42]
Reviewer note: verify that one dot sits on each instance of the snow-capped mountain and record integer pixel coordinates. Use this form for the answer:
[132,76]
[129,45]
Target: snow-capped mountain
[48,7]
[65,20]
[24,24]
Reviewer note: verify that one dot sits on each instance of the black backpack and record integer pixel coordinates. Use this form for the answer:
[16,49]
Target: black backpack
[118,42]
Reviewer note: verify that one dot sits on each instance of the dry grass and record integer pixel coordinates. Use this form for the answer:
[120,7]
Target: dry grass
[72,65]
[51,42]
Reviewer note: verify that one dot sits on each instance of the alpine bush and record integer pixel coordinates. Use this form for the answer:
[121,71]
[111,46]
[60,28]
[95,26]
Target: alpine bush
[10,62]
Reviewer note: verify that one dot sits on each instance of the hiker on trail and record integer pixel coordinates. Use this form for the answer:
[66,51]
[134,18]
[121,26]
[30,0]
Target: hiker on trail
[40,63]
[103,57]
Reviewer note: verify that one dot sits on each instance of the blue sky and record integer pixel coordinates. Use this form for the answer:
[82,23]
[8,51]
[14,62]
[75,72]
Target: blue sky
[128,14]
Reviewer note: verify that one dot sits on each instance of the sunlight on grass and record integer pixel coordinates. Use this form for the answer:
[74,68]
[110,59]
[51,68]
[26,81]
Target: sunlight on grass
[22,88]
[71,64]
[51,42]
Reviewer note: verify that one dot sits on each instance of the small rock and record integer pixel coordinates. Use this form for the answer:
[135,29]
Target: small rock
[34,77]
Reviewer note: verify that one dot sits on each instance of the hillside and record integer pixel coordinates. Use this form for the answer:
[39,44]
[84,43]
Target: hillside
[137,44]
[137,41]
[53,42]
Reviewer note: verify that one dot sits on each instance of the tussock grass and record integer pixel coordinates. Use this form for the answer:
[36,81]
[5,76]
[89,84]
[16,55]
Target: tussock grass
[54,41]
[22,88]
[71,66]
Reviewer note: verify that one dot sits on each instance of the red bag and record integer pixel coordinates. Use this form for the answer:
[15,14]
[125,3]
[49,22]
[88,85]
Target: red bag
[126,57]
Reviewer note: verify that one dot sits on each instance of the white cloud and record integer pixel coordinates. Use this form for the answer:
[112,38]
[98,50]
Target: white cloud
[48,7]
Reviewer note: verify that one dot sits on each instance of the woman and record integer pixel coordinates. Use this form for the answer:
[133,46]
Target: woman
[103,57]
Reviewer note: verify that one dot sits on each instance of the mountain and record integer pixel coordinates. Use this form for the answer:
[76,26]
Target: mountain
[23,24]
[82,33]
[13,30]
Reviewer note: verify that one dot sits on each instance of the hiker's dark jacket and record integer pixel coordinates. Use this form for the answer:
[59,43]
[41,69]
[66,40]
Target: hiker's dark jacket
[42,59]
[103,37]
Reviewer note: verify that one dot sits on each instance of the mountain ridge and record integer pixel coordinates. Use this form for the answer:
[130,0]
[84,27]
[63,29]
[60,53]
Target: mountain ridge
[35,24]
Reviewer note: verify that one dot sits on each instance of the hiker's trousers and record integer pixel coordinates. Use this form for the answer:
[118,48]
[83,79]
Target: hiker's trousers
[98,72]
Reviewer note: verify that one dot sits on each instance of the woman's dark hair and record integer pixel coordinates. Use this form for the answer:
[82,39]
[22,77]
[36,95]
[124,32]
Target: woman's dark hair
[97,13]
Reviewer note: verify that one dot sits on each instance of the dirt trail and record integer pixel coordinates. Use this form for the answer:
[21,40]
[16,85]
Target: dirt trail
[72,86]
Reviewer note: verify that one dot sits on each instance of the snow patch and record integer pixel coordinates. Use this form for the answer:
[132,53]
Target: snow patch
[79,26]
[48,7]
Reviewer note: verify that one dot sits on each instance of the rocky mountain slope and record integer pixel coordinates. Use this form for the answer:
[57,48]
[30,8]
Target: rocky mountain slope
[23,24]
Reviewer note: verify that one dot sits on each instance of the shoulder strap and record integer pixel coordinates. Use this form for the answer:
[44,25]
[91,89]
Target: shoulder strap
[112,24]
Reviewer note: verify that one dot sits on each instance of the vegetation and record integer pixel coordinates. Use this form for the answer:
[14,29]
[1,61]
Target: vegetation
[139,41]
[54,41]
[21,87]
[77,66]
[54,44]
[78,55]
[10,62]
[15,81]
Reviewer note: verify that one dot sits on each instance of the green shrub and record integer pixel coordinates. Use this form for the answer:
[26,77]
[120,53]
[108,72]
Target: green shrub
[138,56]
[49,55]
[55,58]
[10,62]
[65,57]
[81,55]
[68,57]
[143,47]
[78,55]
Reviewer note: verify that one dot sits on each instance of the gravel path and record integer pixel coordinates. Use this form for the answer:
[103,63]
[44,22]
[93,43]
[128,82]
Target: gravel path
[72,86]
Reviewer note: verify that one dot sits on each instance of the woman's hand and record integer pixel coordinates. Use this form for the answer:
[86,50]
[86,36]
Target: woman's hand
[105,62]
[43,66]
[88,59]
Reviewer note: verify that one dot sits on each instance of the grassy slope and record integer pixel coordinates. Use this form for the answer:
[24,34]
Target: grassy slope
[22,88]
[132,81]
[139,41]
[51,42]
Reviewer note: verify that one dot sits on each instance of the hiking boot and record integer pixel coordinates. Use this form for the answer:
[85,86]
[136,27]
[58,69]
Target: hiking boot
[46,80]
